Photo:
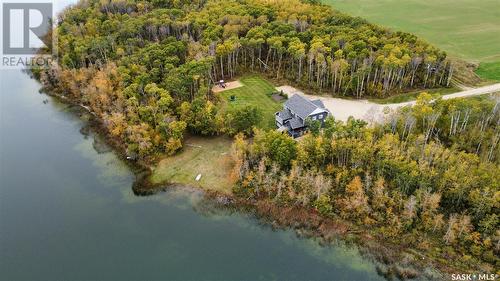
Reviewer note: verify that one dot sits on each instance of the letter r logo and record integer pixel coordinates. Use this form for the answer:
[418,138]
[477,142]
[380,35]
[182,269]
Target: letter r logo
[24,26]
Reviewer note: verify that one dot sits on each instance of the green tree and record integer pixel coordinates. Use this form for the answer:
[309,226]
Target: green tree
[243,119]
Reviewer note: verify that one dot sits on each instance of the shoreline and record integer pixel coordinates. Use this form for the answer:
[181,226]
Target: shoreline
[391,260]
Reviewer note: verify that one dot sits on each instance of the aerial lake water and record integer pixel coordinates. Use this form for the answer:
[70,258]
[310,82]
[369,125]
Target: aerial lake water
[67,212]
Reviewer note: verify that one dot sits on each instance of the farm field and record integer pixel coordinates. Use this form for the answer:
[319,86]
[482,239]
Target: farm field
[489,70]
[255,91]
[467,29]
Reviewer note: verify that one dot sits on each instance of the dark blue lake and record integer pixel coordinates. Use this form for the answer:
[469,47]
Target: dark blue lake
[68,212]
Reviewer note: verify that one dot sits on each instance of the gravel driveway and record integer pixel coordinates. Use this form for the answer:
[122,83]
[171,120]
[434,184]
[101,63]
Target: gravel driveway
[371,112]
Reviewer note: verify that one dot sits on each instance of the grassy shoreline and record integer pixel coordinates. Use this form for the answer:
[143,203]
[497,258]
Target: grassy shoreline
[205,156]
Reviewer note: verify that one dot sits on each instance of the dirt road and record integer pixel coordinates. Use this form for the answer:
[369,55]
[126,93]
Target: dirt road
[341,109]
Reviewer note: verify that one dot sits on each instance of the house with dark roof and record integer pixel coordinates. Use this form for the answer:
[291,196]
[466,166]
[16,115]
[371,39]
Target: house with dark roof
[296,111]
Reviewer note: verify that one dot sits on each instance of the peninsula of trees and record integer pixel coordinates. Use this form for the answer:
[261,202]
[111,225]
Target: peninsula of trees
[429,175]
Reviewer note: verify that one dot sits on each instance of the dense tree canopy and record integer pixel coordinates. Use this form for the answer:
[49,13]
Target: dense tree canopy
[430,175]
[142,65]
[308,43]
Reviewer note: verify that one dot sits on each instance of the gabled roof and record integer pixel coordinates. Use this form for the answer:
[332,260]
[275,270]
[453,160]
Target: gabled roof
[295,123]
[302,106]
[318,103]
[284,114]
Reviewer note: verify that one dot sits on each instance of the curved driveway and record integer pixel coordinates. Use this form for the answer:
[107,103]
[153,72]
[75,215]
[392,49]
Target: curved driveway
[371,112]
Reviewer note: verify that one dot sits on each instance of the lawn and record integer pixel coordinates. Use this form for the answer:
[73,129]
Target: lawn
[208,156]
[255,91]
[467,29]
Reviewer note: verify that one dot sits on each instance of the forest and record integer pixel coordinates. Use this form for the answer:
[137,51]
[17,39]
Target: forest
[429,178]
[146,67]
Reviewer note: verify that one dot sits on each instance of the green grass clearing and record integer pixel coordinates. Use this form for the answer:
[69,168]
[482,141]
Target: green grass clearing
[208,156]
[411,96]
[467,29]
[255,91]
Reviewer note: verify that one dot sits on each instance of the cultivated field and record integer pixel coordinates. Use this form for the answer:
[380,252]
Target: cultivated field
[490,70]
[468,29]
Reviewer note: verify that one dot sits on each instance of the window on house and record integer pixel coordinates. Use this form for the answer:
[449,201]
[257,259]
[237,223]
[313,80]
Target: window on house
[314,118]
[320,116]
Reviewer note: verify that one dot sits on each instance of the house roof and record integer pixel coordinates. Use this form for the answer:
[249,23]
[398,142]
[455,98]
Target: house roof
[302,106]
[284,114]
[318,103]
[296,123]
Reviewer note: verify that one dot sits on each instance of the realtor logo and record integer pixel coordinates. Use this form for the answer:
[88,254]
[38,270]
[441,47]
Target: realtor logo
[24,25]
[24,29]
